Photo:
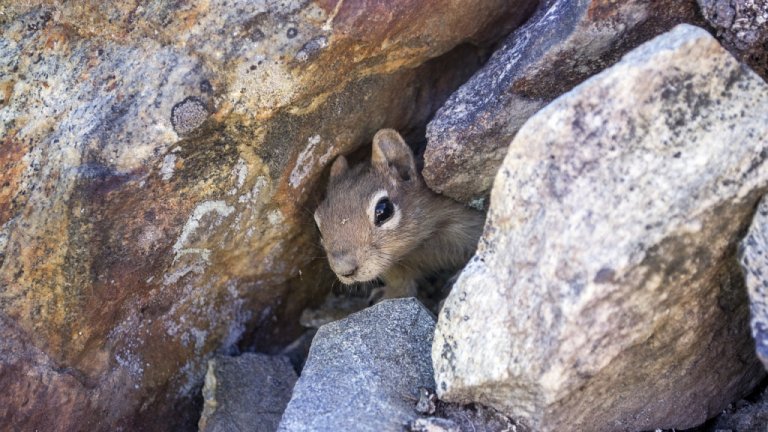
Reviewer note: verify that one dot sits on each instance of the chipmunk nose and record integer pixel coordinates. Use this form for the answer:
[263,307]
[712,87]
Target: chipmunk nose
[343,264]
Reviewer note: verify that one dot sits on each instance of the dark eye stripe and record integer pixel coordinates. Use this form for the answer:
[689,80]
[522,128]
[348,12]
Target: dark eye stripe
[383,211]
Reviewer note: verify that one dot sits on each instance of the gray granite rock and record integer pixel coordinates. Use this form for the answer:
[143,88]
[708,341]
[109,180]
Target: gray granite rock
[564,43]
[754,262]
[606,293]
[441,416]
[742,26]
[246,393]
[744,416]
[364,372]
[433,424]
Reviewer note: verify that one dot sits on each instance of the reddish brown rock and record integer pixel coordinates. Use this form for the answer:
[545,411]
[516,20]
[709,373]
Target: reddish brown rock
[157,165]
[564,43]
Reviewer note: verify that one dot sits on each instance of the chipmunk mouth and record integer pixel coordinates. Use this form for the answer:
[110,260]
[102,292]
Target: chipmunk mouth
[348,272]
[350,281]
[356,278]
[345,280]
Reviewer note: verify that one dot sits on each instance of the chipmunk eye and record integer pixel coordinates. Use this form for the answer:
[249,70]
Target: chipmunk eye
[383,211]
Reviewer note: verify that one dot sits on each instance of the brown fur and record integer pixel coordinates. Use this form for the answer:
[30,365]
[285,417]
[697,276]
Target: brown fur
[433,232]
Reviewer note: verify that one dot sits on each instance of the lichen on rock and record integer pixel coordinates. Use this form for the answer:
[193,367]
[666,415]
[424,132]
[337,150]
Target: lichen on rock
[188,114]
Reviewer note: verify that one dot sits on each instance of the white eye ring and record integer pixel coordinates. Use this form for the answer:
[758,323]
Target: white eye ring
[392,222]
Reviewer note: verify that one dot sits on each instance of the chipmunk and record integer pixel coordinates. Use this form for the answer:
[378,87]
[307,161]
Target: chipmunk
[382,221]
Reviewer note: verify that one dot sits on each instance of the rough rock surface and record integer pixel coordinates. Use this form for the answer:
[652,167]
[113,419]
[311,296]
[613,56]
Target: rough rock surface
[441,416]
[744,416]
[742,26]
[249,392]
[606,293]
[562,45]
[364,372]
[157,159]
[754,262]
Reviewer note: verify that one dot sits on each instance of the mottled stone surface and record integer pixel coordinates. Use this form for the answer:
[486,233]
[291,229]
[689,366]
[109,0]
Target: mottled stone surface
[754,262]
[248,392]
[433,424]
[606,293]
[364,371]
[742,27]
[157,163]
[743,416]
[564,43]
[441,416]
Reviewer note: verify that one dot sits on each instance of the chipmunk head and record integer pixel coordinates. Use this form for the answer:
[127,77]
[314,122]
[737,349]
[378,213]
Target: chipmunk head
[371,215]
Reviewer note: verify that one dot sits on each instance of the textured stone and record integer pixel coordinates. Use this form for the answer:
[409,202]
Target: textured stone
[249,392]
[433,424]
[606,293]
[743,416]
[188,115]
[136,239]
[564,43]
[364,372]
[742,27]
[444,416]
[754,262]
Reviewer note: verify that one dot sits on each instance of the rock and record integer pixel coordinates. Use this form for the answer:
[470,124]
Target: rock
[188,115]
[427,403]
[564,43]
[298,350]
[606,293]
[249,392]
[25,369]
[744,416]
[444,416]
[742,27]
[363,372]
[433,424]
[157,164]
[754,262]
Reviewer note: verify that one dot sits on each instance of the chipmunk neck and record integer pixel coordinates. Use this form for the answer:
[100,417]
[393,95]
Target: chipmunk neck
[450,240]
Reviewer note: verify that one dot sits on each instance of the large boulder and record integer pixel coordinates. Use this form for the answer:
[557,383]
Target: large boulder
[248,392]
[606,293]
[754,262]
[564,43]
[157,160]
[364,372]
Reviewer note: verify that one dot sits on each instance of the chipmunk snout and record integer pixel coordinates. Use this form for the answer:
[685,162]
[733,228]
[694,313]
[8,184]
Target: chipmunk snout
[343,264]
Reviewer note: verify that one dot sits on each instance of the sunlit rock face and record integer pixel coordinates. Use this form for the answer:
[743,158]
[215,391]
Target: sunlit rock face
[157,164]
[562,45]
[606,293]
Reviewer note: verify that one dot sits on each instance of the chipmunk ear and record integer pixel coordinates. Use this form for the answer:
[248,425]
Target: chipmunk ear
[339,167]
[392,156]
